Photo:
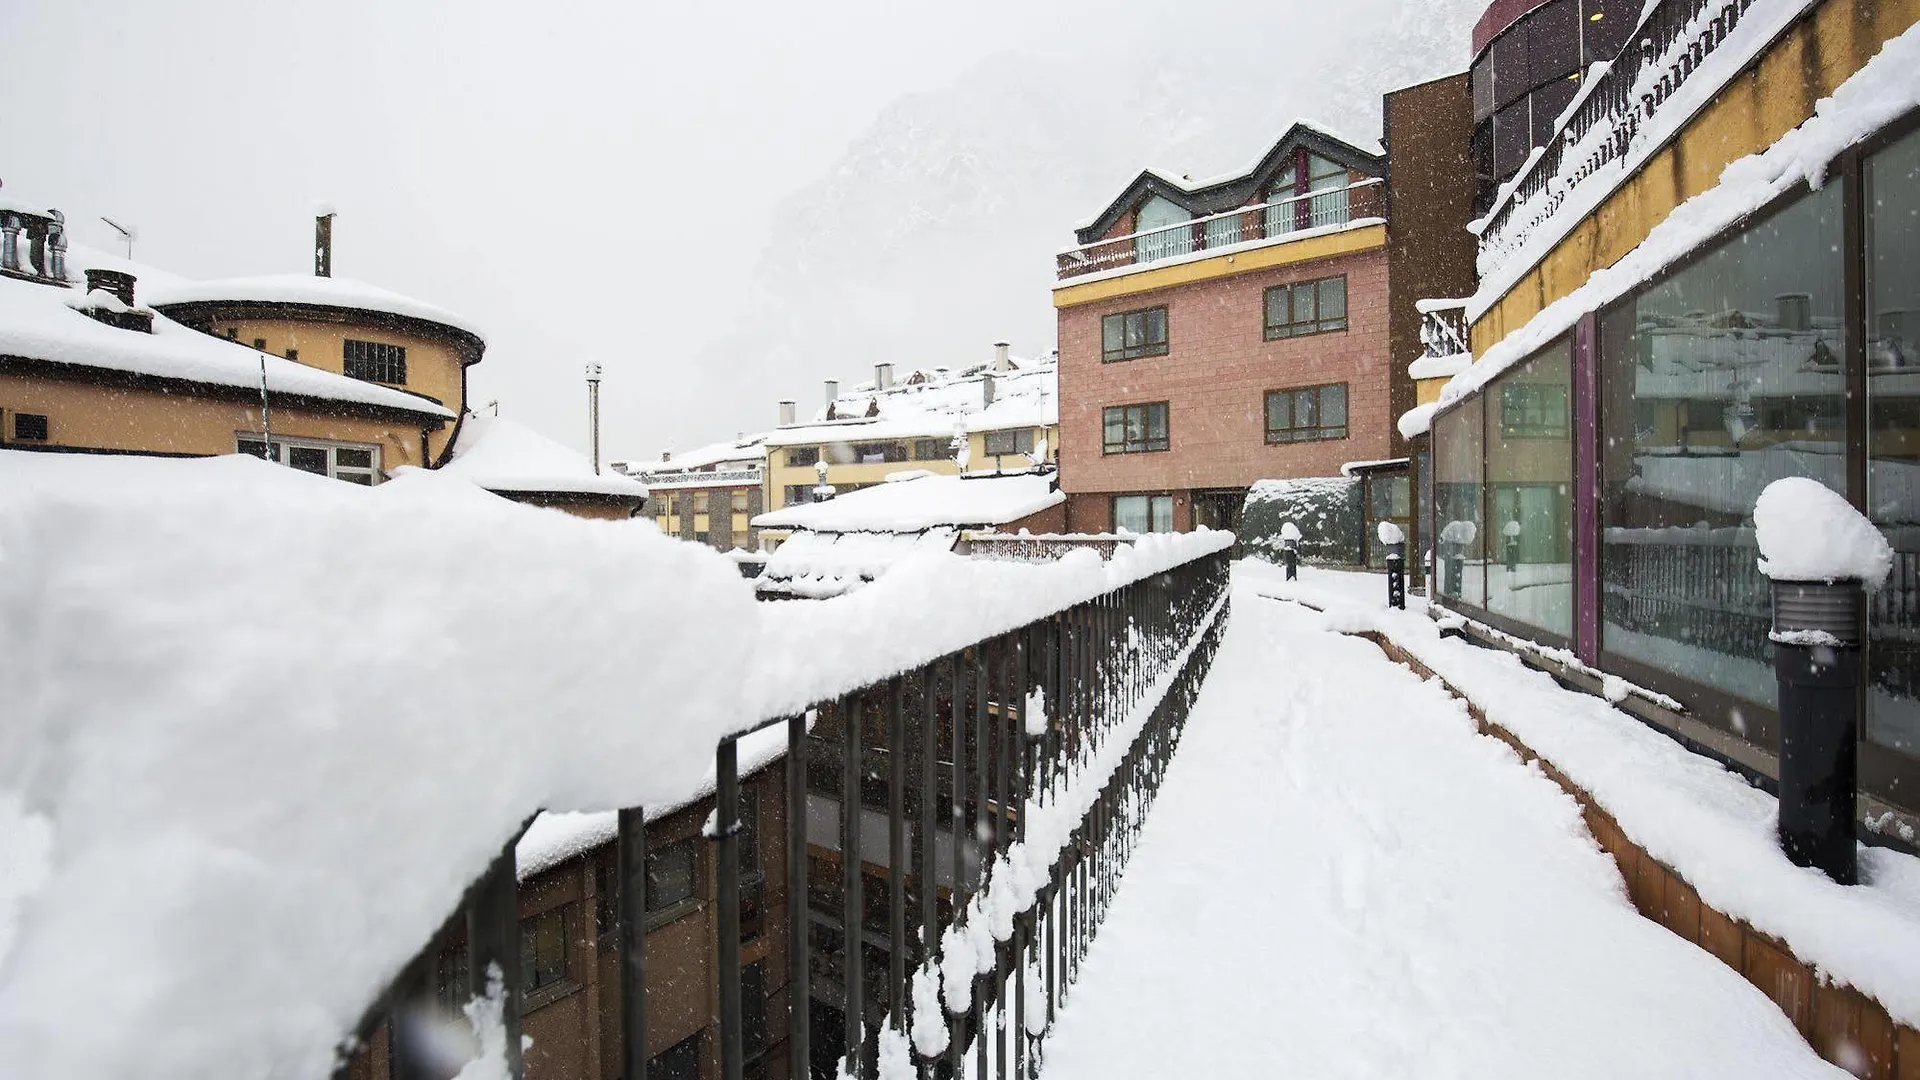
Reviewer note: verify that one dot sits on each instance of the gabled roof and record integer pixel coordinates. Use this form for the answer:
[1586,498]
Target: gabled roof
[1215,195]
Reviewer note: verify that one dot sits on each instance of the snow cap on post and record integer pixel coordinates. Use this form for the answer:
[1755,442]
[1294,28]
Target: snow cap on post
[1290,533]
[1390,533]
[1809,532]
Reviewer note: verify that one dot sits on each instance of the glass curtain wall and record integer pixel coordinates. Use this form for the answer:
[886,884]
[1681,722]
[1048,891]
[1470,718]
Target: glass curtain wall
[1457,481]
[1529,477]
[1891,182]
[1716,381]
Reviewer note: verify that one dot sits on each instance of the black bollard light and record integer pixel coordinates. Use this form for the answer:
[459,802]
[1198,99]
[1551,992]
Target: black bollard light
[1290,549]
[1816,661]
[1397,575]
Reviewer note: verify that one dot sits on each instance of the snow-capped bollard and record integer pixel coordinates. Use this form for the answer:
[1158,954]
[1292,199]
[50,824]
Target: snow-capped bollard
[1510,539]
[1455,538]
[1396,542]
[1290,548]
[1822,556]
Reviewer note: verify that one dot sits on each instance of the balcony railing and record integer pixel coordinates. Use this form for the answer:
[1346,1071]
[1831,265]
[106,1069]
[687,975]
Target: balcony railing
[33,244]
[1443,328]
[1038,547]
[1607,124]
[1277,220]
[666,479]
[1041,748]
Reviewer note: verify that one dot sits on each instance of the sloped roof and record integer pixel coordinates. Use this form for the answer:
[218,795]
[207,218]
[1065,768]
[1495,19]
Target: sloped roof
[503,456]
[924,501]
[1215,195]
[1026,395]
[306,290]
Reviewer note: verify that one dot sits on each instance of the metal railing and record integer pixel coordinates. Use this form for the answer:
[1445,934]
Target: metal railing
[1071,717]
[1443,328]
[1038,547]
[1276,220]
[712,478]
[33,244]
[1608,123]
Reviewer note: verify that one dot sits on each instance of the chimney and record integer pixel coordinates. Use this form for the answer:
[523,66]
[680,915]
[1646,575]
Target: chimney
[1000,360]
[786,414]
[116,282]
[666,455]
[883,376]
[833,390]
[986,391]
[323,242]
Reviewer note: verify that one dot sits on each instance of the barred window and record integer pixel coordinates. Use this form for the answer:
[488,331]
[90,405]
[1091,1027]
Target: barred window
[375,361]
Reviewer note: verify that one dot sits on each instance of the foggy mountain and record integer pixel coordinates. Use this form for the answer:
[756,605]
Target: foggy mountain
[934,234]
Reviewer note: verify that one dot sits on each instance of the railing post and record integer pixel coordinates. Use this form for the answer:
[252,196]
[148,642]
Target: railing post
[493,938]
[631,858]
[957,824]
[852,909]
[897,870]
[799,925]
[726,836]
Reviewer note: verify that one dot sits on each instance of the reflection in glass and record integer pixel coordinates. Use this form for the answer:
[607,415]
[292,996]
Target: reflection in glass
[1457,477]
[1717,381]
[1892,179]
[1529,476]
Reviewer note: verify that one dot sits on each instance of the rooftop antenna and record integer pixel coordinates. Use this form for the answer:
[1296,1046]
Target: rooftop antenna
[126,234]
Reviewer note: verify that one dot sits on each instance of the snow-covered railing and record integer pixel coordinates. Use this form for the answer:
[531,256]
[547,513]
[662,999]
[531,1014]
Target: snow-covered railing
[1443,328]
[33,243]
[670,479]
[1039,547]
[1280,219]
[1010,772]
[1606,123]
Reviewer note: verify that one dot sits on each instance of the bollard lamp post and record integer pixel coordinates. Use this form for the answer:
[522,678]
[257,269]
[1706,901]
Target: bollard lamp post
[1290,548]
[1396,545]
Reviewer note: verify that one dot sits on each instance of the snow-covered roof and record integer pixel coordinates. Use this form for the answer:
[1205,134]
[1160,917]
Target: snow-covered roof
[746,451]
[1026,395]
[923,501]
[39,322]
[333,292]
[501,455]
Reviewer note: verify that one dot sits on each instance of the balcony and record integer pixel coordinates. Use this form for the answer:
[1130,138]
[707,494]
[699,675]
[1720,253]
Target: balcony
[1619,117]
[1443,329]
[33,244]
[671,479]
[1242,228]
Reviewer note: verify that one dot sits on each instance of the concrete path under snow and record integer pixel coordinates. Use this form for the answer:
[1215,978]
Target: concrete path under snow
[1342,878]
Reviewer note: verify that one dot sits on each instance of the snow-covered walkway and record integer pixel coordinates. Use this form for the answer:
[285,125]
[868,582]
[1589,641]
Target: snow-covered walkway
[1342,878]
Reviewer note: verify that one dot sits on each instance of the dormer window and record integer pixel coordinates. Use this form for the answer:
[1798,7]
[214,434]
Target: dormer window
[1159,213]
[375,361]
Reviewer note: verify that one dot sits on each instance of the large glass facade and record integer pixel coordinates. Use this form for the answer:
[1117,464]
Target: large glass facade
[1458,478]
[1716,381]
[1529,477]
[1891,185]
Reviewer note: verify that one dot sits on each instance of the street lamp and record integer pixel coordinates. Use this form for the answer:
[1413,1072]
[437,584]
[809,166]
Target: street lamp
[593,412]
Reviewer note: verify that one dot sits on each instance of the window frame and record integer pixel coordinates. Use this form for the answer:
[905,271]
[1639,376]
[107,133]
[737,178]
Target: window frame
[1155,501]
[531,983]
[248,444]
[1019,436]
[660,908]
[375,359]
[1146,444]
[1315,326]
[1148,347]
[802,457]
[1320,432]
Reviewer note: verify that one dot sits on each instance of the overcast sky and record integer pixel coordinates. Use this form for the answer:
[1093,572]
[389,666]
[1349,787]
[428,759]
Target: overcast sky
[587,180]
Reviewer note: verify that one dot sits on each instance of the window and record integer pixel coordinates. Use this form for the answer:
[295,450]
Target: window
[681,1061]
[798,494]
[1133,334]
[700,536]
[1307,413]
[375,361]
[1143,513]
[1157,236]
[737,501]
[260,344]
[1458,475]
[670,875]
[1533,410]
[606,896]
[803,457]
[753,1010]
[1307,307]
[1728,345]
[1135,429]
[293,354]
[1284,218]
[699,502]
[30,427]
[342,461]
[879,452]
[931,449]
[543,950]
[1329,208]
[1017,441]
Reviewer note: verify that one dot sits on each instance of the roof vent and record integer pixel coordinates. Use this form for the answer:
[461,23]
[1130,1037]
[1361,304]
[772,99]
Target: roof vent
[1001,361]
[786,414]
[883,376]
[833,390]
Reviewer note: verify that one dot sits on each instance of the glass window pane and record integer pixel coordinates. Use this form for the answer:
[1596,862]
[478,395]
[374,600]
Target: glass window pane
[1156,327]
[1333,303]
[1304,409]
[1279,410]
[1529,477]
[365,479]
[1112,335]
[1156,213]
[347,457]
[670,875]
[1333,406]
[1130,514]
[1162,513]
[1303,302]
[1457,478]
[1157,422]
[1553,41]
[1276,308]
[1716,382]
[311,459]
[1893,439]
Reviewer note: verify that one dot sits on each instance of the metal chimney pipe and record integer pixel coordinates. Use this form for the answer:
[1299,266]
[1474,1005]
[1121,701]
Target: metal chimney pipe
[883,376]
[323,243]
[1000,359]
[833,390]
[786,414]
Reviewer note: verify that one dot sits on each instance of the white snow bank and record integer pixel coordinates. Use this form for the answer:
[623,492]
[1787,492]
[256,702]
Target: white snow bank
[1809,532]
[501,455]
[335,292]
[271,762]
[1712,827]
[1882,91]
[915,503]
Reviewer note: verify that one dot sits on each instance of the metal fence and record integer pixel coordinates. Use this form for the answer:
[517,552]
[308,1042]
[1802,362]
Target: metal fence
[952,759]
[1328,208]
